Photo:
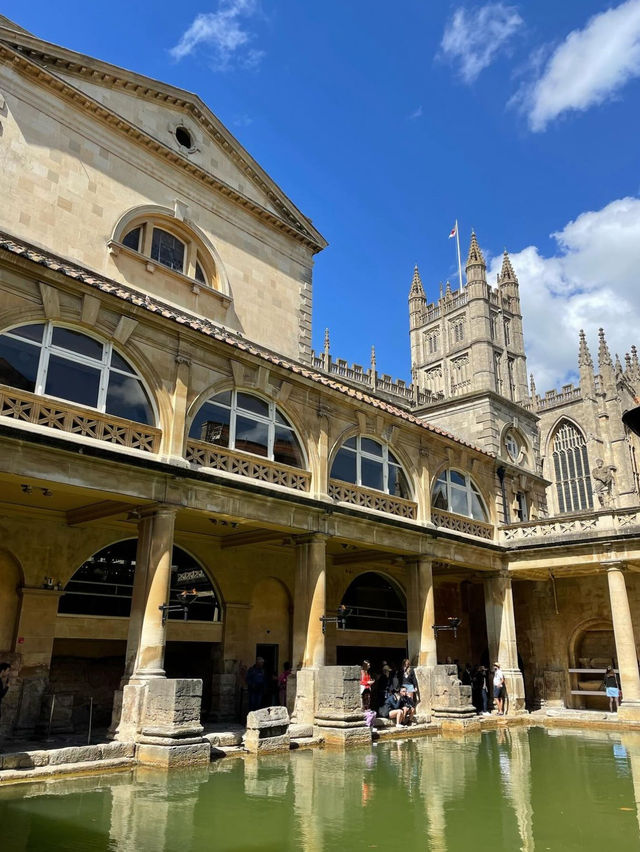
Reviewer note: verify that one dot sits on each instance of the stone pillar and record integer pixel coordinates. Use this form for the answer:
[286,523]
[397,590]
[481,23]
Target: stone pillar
[156,557]
[421,612]
[625,642]
[309,601]
[501,633]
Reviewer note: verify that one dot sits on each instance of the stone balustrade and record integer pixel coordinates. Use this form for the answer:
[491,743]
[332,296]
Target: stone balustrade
[459,523]
[345,492]
[203,454]
[41,411]
[598,524]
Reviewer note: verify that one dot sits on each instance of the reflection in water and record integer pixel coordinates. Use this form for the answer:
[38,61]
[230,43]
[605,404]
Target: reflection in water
[515,789]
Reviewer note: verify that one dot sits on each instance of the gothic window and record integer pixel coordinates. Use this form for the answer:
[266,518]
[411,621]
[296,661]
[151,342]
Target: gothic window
[493,325]
[432,342]
[571,469]
[242,421]
[460,380]
[170,244]
[497,370]
[433,380]
[103,585]
[507,332]
[455,492]
[54,360]
[371,464]
[512,383]
[457,330]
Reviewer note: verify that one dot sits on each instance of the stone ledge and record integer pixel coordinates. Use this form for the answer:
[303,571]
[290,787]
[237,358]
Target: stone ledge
[87,767]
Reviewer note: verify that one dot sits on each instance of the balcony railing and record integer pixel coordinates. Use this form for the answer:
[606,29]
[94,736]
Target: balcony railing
[345,492]
[202,454]
[65,417]
[458,523]
[599,523]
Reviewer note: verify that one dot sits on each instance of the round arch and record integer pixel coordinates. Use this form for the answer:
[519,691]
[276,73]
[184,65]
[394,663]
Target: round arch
[352,434]
[524,457]
[153,211]
[487,505]
[227,386]
[592,639]
[103,584]
[377,602]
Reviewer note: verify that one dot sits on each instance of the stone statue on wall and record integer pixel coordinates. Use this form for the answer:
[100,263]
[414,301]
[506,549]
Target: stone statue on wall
[603,482]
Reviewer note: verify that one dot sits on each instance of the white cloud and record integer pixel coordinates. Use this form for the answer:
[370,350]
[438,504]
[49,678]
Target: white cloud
[590,66]
[473,38]
[417,113]
[590,282]
[226,34]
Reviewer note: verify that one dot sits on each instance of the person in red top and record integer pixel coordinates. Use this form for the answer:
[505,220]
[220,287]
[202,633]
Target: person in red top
[366,682]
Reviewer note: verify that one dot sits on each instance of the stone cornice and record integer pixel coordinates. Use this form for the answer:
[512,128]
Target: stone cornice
[26,62]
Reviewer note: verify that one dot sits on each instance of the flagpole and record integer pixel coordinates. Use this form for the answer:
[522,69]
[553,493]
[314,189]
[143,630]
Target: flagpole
[459,263]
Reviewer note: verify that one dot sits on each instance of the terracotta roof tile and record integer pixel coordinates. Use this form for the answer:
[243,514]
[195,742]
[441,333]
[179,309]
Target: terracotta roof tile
[71,270]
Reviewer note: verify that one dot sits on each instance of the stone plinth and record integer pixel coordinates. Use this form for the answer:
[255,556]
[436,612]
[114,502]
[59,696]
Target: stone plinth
[166,757]
[450,700]
[304,683]
[267,730]
[339,717]
[223,698]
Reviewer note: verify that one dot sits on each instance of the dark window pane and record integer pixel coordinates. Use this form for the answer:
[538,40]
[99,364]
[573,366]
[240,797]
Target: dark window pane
[392,458]
[439,498]
[457,478]
[200,276]
[18,363]
[119,363]
[29,332]
[223,398]
[344,466]
[280,418]
[350,443]
[126,398]
[251,436]
[398,485]
[459,501]
[285,448]
[167,249]
[211,424]
[253,404]
[77,342]
[70,380]
[371,474]
[369,446]
[132,240]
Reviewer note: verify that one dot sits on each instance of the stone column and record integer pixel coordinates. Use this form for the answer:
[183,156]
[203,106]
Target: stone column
[501,633]
[309,601]
[155,564]
[625,642]
[421,612]
[308,638]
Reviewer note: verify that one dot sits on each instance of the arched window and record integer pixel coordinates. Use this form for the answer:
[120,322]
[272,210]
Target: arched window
[242,421]
[375,604]
[104,585]
[371,464]
[169,243]
[571,468]
[61,362]
[455,492]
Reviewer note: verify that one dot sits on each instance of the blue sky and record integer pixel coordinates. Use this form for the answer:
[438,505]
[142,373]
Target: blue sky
[384,123]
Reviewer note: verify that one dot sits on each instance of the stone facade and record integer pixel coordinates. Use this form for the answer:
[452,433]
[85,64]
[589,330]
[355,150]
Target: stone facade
[189,270]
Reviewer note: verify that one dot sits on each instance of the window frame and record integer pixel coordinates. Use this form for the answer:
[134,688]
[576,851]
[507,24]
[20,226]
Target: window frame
[572,460]
[470,489]
[270,421]
[383,458]
[195,252]
[47,348]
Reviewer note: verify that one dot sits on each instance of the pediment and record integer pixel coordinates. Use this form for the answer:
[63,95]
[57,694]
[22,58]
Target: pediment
[157,110]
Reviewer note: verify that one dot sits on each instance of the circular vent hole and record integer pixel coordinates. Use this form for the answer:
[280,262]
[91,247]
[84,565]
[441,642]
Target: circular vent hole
[184,137]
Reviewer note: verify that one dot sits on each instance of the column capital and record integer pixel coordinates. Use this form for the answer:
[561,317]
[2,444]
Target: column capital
[310,538]
[613,565]
[157,510]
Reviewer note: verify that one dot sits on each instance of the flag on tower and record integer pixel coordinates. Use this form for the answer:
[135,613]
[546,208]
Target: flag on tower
[453,231]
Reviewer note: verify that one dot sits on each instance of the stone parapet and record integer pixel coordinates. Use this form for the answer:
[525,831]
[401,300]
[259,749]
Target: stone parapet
[267,730]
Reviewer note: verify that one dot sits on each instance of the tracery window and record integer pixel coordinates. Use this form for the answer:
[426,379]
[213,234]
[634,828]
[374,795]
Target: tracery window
[455,492]
[571,468]
[170,243]
[457,330]
[65,363]
[432,342]
[243,421]
[364,461]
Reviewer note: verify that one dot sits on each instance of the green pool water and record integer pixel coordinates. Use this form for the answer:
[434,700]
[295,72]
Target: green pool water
[524,789]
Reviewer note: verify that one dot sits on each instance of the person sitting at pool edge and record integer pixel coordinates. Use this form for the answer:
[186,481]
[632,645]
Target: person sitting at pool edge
[397,707]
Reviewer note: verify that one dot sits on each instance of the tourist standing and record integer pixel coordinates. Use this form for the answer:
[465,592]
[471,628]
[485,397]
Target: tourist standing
[366,682]
[255,684]
[612,688]
[499,689]
[282,684]
[409,681]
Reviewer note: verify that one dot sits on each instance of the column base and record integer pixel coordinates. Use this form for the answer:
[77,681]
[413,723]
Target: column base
[515,692]
[629,711]
[165,757]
